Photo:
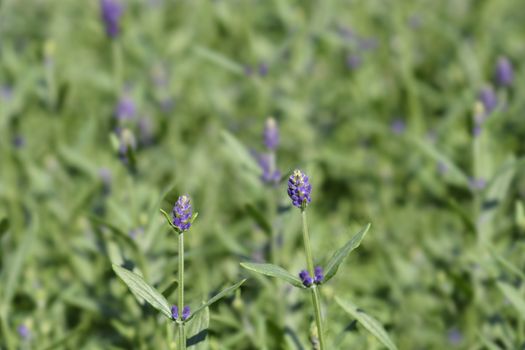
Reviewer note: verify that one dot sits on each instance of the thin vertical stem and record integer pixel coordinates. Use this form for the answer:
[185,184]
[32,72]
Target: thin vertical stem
[316,299]
[182,337]
[117,66]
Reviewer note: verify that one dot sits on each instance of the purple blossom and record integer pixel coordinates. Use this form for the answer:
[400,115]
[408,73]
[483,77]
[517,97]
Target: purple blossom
[182,213]
[299,189]
[318,275]
[306,279]
[185,313]
[23,332]
[353,61]
[504,74]
[442,168]
[263,69]
[271,134]
[267,163]
[398,126]
[111,11]
[18,141]
[454,336]
[367,44]
[477,183]
[126,108]
[488,98]
[6,92]
[174,312]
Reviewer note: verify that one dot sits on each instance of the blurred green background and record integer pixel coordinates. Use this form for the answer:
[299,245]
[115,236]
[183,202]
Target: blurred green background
[374,101]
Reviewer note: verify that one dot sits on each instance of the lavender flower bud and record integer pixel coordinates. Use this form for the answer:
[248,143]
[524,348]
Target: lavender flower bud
[174,312]
[488,98]
[271,134]
[186,313]
[299,189]
[318,275]
[263,69]
[398,126]
[23,332]
[504,74]
[111,11]
[353,61]
[182,212]
[267,163]
[305,278]
[126,108]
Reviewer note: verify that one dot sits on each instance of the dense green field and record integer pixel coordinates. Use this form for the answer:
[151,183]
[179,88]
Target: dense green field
[408,115]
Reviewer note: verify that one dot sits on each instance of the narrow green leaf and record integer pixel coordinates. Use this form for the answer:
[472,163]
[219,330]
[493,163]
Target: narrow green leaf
[216,298]
[16,264]
[4,226]
[170,288]
[240,153]
[259,218]
[140,288]
[514,296]
[219,59]
[342,253]
[367,321]
[274,271]
[168,219]
[197,331]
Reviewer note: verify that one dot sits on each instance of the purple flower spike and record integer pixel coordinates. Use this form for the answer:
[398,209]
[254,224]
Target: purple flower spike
[126,108]
[306,278]
[398,126]
[269,175]
[504,74]
[299,189]
[488,98]
[182,212]
[111,11]
[186,313]
[271,134]
[174,312]
[23,332]
[318,275]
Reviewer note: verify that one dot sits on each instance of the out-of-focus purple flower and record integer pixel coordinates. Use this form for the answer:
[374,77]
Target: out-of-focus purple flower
[367,44]
[134,233]
[398,126]
[504,74]
[181,213]
[6,92]
[454,336]
[111,11]
[167,104]
[19,141]
[24,332]
[186,312]
[271,134]
[346,33]
[353,61]
[267,164]
[126,108]
[174,312]
[248,70]
[477,184]
[263,69]
[306,278]
[488,98]
[318,275]
[415,21]
[442,168]
[299,189]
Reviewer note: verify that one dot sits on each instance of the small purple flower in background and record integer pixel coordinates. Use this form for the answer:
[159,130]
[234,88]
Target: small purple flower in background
[353,61]
[488,98]
[185,313]
[454,336]
[306,279]
[133,233]
[398,126]
[346,33]
[271,134]
[442,168]
[19,141]
[126,108]
[182,212]
[6,92]
[299,189]
[415,21]
[269,175]
[367,44]
[477,184]
[318,275]
[23,332]
[248,70]
[504,74]
[174,312]
[263,69]
[111,11]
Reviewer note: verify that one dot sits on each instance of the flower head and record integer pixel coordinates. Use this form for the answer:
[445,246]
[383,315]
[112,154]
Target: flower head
[111,11]
[186,312]
[504,74]
[182,212]
[267,164]
[174,312]
[271,134]
[318,275]
[23,332]
[125,108]
[488,98]
[306,278]
[299,189]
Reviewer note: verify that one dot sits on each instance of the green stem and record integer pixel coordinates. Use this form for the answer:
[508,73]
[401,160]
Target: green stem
[117,66]
[5,331]
[316,298]
[182,338]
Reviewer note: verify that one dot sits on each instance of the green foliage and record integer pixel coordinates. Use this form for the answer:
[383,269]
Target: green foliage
[274,271]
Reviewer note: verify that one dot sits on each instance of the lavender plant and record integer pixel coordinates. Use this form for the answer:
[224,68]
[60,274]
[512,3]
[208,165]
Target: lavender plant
[180,221]
[311,279]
